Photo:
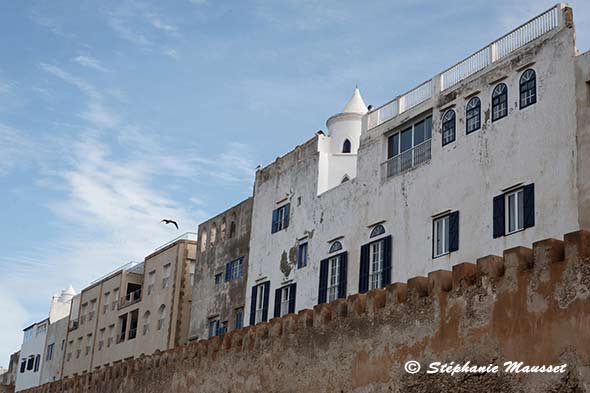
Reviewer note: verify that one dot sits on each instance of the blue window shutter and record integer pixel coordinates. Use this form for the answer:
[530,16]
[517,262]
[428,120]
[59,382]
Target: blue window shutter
[343,275]
[278,293]
[386,278]
[286,219]
[528,200]
[454,231]
[364,270]
[323,290]
[227,271]
[499,216]
[265,304]
[275,220]
[253,305]
[292,297]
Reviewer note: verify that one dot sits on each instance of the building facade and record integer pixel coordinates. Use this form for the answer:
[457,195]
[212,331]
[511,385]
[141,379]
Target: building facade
[38,352]
[489,154]
[219,285]
[138,309]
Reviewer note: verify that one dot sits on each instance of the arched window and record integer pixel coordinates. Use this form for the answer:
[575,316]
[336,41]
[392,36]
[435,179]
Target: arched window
[161,316]
[448,127]
[232,229]
[473,115]
[222,230]
[146,323]
[336,246]
[499,102]
[528,88]
[346,147]
[345,179]
[203,241]
[213,233]
[377,230]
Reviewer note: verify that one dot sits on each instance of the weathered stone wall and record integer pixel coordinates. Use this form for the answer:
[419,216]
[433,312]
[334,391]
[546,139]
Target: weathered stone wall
[531,305]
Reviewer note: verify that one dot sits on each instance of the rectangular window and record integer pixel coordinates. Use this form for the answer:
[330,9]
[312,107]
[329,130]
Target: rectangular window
[375,264]
[260,293]
[441,236]
[213,327]
[49,355]
[409,147]
[285,296]
[92,312]
[333,277]
[222,328]
[166,276]
[151,282]
[23,365]
[234,269]
[280,218]
[218,279]
[302,255]
[514,211]
[106,302]
[239,318]
[115,298]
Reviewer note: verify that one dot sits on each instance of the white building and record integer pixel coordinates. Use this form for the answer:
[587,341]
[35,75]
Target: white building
[487,155]
[38,355]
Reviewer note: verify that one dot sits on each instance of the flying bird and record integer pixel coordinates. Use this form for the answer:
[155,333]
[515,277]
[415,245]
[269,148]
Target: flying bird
[165,221]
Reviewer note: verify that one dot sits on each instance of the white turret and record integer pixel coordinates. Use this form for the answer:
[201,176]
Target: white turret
[338,149]
[60,305]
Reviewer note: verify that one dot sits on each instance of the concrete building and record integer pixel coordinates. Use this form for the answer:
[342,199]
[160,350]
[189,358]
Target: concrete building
[38,345]
[492,153]
[219,284]
[8,377]
[138,309]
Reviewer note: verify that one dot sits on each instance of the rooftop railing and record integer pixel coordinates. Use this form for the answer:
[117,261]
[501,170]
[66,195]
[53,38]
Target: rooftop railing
[497,50]
[185,236]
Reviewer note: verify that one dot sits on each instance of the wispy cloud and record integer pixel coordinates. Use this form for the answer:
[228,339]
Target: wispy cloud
[89,62]
[96,112]
[144,25]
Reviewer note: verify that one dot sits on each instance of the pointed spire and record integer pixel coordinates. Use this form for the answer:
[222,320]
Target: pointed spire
[355,104]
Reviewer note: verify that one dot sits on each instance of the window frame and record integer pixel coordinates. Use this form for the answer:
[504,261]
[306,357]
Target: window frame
[333,277]
[518,195]
[392,151]
[472,111]
[281,220]
[499,98]
[302,254]
[259,305]
[239,313]
[376,275]
[449,124]
[445,242]
[526,86]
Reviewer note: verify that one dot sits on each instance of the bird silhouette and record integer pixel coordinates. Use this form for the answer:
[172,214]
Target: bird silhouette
[166,221]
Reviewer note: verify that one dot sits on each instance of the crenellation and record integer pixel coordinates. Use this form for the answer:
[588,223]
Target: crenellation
[357,305]
[464,274]
[577,245]
[322,315]
[548,251]
[396,293]
[418,287]
[440,281]
[491,267]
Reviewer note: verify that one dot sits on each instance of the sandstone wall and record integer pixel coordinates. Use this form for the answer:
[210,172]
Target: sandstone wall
[530,305]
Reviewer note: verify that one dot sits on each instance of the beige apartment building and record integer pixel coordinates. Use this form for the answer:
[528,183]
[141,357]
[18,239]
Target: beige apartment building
[138,309]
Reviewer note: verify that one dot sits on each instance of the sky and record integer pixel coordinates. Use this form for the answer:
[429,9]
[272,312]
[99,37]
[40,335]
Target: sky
[117,114]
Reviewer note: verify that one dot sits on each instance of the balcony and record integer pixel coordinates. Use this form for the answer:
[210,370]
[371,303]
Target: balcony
[74,324]
[407,160]
[131,298]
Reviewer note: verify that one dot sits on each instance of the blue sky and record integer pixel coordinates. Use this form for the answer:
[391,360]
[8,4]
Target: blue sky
[116,114]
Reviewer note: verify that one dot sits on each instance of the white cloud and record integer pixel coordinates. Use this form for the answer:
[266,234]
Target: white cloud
[89,62]
[96,112]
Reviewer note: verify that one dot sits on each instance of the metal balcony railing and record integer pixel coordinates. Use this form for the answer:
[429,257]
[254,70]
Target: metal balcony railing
[407,160]
[74,324]
[130,298]
[495,51]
